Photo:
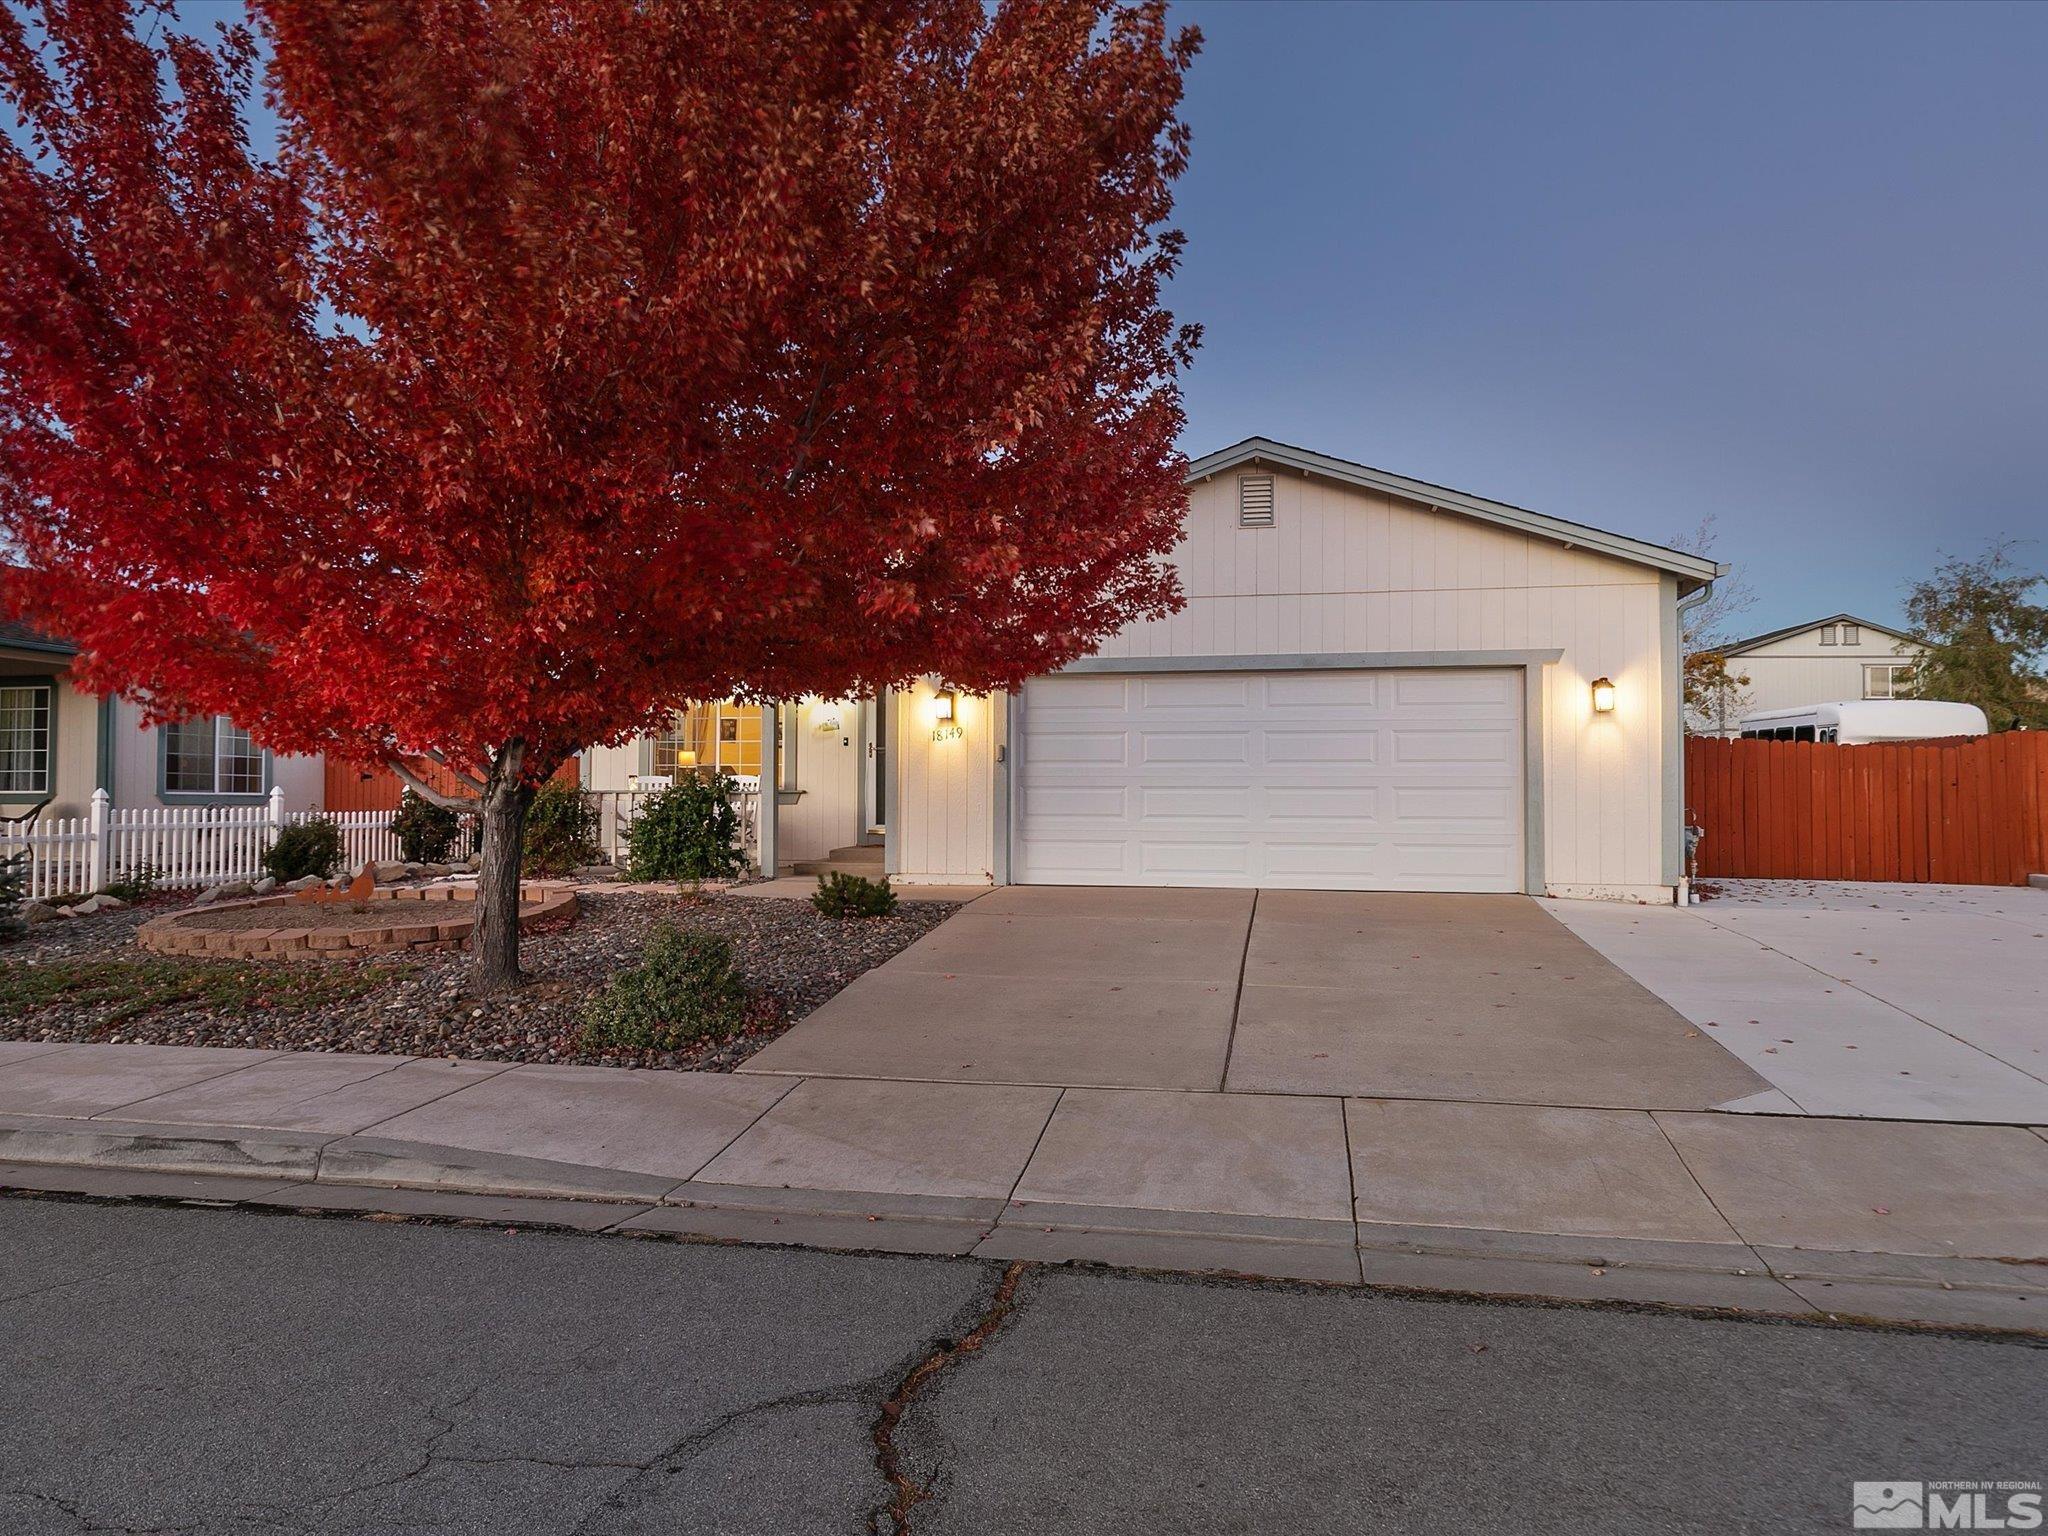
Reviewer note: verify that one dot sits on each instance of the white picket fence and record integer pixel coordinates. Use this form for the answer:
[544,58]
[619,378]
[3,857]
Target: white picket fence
[618,809]
[185,845]
[204,845]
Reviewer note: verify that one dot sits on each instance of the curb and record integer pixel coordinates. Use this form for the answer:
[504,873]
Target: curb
[221,1165]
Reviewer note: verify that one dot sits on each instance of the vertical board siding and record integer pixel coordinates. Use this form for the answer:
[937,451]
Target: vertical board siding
[1966,812]
[944,813]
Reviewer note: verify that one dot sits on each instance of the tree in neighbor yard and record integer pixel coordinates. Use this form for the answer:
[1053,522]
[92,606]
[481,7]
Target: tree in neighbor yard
[1714,688]
[567,360]
[1986,638]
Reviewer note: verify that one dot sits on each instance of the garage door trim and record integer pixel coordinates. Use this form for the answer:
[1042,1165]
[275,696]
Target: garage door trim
[1014,724]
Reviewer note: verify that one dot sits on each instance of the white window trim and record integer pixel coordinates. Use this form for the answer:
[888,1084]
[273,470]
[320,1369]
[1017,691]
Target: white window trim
[47,766]
[214,795]
[1891,671]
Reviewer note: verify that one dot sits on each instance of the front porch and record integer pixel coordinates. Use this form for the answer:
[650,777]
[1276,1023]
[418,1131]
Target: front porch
[870,787]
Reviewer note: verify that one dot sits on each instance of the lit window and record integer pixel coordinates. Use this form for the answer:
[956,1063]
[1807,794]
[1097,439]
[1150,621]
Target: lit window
[25,738]
[211,757]
[675,749]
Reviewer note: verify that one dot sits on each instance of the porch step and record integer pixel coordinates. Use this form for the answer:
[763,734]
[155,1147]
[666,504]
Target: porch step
[850,861]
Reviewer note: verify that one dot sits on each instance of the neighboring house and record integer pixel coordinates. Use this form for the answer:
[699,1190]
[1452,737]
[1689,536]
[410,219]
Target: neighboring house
[1823,661]
[57,745]
[1376,684]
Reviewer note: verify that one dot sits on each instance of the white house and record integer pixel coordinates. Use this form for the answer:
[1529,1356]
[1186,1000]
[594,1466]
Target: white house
[1376,684]
[1823,661]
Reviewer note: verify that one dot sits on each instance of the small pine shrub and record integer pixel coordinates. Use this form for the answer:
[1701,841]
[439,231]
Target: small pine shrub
[561,831]
[426,832]
[689,832]
[842,895]
[13,891]
[686,989]
[137,885]
[311,847]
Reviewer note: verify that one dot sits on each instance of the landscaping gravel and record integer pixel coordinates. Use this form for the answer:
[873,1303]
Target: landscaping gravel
[791,956]
[97,937]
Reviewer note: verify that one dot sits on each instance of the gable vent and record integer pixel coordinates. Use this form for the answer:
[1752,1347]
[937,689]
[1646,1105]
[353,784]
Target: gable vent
[1255,501]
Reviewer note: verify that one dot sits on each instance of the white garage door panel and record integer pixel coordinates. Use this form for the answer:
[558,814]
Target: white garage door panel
[1318,780]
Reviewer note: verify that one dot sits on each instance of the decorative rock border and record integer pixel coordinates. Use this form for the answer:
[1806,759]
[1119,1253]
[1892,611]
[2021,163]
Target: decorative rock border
[423,919]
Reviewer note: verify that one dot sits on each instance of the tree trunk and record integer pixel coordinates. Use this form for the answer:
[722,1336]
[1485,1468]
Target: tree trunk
[503,813]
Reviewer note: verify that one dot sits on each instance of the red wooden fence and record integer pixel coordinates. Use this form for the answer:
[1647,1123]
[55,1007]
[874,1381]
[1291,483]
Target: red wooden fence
[351,788]
[1964,811]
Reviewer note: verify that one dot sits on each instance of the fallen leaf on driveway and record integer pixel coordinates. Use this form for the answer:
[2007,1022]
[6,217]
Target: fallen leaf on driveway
[1881,1210]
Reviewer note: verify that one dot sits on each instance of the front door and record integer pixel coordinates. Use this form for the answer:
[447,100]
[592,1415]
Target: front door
[874,799]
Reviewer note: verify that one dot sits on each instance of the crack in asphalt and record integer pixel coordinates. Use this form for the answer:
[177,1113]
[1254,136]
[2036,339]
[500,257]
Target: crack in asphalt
[906,1493]
[964,1333]
[86,1525]
[89,1279]
[896,1385]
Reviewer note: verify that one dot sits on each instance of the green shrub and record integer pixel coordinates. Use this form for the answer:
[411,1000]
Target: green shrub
[426,832]
[843,895]
[561,831]
[685,989]
[137,885]
[13,891]
[311,847]
[690,832]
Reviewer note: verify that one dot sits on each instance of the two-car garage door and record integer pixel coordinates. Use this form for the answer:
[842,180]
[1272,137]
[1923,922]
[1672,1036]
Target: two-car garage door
[1335,780]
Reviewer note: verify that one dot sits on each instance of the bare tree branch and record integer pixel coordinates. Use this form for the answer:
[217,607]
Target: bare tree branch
[427,792]
[465,779]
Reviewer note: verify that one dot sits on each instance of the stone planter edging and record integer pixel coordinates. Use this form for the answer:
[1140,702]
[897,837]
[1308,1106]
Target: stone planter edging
[423,919]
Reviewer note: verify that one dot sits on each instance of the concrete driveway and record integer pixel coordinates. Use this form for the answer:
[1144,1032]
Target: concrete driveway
[1397,996]
[1910,1002]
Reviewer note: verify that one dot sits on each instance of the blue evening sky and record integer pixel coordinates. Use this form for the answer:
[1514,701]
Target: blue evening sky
[1785,265]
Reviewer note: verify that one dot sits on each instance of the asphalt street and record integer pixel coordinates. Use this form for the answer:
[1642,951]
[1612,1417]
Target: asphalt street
[192,1370]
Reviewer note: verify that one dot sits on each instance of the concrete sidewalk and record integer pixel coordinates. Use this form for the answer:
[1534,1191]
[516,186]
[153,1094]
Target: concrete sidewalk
[1943,1224]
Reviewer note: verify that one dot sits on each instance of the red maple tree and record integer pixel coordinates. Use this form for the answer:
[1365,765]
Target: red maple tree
[568,359]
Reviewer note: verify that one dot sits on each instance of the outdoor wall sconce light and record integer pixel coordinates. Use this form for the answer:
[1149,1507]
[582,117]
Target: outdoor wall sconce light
[942,706]
[1603,695]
